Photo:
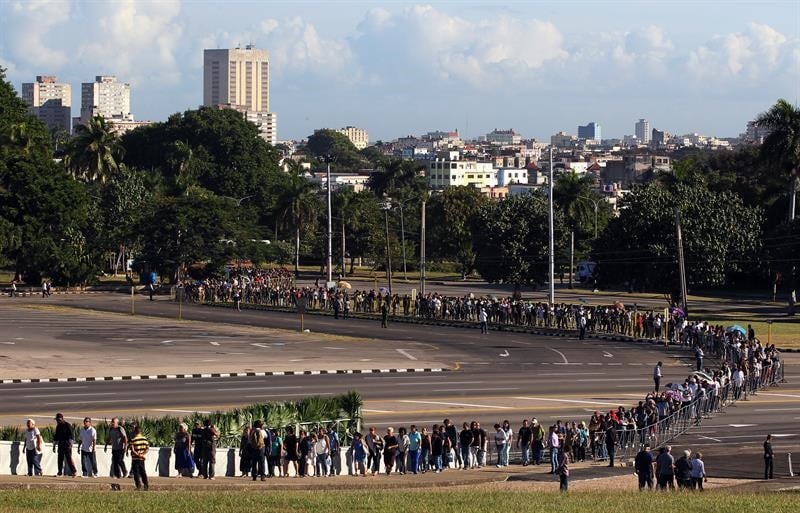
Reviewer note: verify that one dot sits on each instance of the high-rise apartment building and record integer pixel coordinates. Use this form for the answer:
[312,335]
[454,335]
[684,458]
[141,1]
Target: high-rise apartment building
[49,101]
[590,131]
[105,97]
[358,136]
[238,78]
[642,131]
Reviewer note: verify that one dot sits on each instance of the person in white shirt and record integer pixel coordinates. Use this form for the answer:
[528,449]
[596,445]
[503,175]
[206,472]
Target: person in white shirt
[33,448]
[88,436]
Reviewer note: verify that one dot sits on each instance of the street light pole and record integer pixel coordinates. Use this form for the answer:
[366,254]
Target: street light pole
[422,253]
[386,207]
[330,229]
[552,295]
[403,242]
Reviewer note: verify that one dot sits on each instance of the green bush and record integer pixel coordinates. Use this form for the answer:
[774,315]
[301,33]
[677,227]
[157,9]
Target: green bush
[311,412]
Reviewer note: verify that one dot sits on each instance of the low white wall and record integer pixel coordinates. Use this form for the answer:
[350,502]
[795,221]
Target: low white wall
[160,461]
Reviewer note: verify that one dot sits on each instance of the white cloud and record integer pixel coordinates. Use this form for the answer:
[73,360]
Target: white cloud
[296,45]
[481,52]
[28,22]
[747,54]
[136,39]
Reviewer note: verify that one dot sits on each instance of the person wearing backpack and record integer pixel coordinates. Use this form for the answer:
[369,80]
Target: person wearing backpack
[209,441]
[336,459]
[257,450]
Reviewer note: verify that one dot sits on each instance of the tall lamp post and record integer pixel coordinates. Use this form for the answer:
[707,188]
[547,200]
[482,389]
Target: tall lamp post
[328,159]
[552,292]
[387,206]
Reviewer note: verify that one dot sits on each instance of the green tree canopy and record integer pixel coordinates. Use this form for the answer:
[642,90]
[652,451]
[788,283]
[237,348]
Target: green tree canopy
[325,142]
[94,153]
[721,236]
[455,214]
[511,239]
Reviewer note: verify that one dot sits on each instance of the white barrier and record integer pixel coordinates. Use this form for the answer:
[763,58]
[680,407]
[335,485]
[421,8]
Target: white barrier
[160,461]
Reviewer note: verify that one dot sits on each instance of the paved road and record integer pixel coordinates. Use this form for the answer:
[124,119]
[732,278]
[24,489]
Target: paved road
[498,376]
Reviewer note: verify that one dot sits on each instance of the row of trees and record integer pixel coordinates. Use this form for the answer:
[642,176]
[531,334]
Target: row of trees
[203,187]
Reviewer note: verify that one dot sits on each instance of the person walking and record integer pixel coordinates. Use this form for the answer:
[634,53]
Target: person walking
[33,448]
[414,447]
[769,458]
[483,319]
[62,442]
[210,437]
[553,444]
[197,446]
[698,357]
[257,444]
[524,436]
[698,471]
[118,440]
[611,441]
[562,469]
[657,376]
[88,442]
[245,453]
[384,314]
[643,466]
[184,463]
[336,453]
[665,469]
[683,470]
[139,446]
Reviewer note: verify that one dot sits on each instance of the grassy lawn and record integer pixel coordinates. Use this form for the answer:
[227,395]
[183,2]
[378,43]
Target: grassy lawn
[785,333]
[456,501]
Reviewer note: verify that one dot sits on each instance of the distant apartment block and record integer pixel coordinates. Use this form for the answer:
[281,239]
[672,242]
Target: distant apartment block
[105,97]
[642,131]
[50,101]
[754,134]
[508,137]
[451,171]
[238,78]
[562,140]
[590,132]
[358,136]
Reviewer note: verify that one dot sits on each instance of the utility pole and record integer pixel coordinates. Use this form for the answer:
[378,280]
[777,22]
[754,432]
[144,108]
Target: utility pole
[571,255]
[328,159]
[386,207]
[681,262]
[403,243]
[552,295]
[422,253]
[344,271]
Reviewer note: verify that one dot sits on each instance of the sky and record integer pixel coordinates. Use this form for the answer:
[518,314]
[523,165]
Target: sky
[397,68]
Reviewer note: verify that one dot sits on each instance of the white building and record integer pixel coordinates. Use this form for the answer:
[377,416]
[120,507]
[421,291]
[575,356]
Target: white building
[105,97]
[339,181]
[358,136]
[511,175]
[508,137]
[238,78]
[642,131]
[449,172]
[49,101]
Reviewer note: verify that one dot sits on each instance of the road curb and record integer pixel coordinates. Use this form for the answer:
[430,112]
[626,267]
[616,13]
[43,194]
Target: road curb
[223,375]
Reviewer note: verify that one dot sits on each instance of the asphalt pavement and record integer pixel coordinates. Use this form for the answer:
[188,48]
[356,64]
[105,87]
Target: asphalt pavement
[490,377]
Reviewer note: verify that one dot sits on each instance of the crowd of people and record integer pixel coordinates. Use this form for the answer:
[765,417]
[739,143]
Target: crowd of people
[266,452]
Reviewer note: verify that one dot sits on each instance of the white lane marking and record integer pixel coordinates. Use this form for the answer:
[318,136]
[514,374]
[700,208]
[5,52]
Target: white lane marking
[335,348]
[420,383]
[406,354]
[167,341]
[129,339]
[45,396]
[123,359]
[776,409]
[286,395]
[19,338]
[741,425]
[183,411]
[295,360]
[475,389]
[442,403]
[780,395]
[64,403]
[9,343]
[571,401]
[504,353]
[610,364]
[571,374]
[560,353]
[606,354]
[214,343]
[365,360]
[263,346]
[246,389]
[613,380]
[411,376]
[710,438]
[36,389]
[376,411]
[594,364]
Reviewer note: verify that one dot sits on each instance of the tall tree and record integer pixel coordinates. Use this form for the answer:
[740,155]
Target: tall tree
[511,239]
[455,212]
[781,147]
[95,152]
[298,204]
[398,177]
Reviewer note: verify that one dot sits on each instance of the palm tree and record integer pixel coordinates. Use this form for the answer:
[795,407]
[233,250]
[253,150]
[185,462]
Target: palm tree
[299,201]
[94,152]
[782,146]
[182,160]
[574,194]
[398,174]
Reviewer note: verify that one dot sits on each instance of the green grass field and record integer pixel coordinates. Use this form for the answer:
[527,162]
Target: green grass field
[785,333]
[394,501]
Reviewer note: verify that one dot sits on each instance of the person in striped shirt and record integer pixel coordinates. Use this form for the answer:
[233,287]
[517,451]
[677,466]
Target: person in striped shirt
[139,446]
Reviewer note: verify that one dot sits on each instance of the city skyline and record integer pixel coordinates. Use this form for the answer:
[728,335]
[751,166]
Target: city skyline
[403,68]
